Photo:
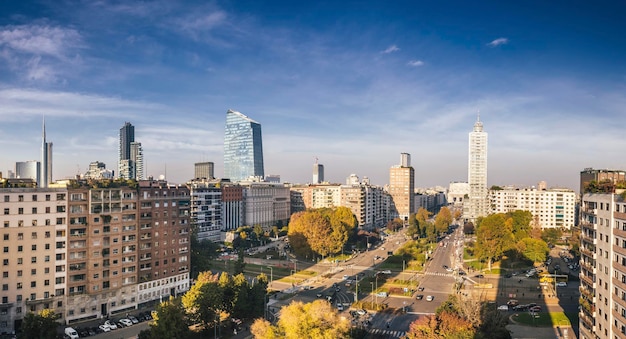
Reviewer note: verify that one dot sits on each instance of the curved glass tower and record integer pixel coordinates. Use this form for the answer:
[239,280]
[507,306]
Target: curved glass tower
[243,147]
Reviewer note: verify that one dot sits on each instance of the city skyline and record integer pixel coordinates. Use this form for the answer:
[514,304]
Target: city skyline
[353,84]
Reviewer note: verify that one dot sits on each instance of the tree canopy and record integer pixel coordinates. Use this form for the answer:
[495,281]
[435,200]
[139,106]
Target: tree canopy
[298,320]
[494,236]
[169,322]
[39,325]
[324,231]
[535,250]
[443,220]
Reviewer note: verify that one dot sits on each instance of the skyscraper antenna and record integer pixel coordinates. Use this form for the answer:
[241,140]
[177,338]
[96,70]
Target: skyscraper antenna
[315,157]
[477,115]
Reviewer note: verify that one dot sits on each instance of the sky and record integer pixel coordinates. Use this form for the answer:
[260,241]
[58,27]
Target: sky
[351,83]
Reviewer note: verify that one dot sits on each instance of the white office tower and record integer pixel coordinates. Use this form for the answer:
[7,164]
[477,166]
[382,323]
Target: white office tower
[478,202]
[136,155]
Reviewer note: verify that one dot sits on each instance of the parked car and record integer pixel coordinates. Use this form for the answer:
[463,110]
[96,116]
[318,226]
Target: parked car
[361,312]
[430,298]
[111,324]
[420,289]
[419,297]
[339,307]
[133,319]
[105,328]
[512,303]
[126,322]
[561,284]
[479,276]
[503,308]
[319,295]
[535,309]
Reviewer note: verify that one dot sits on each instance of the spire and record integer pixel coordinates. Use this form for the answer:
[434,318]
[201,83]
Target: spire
[44,129]
[477,115]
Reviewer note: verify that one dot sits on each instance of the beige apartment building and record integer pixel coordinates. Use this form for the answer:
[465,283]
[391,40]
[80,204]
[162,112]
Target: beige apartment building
[402,188]
[92,250]
[603,266]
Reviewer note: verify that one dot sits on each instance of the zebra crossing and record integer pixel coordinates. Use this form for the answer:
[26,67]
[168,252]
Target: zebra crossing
[380,333]
[439,274]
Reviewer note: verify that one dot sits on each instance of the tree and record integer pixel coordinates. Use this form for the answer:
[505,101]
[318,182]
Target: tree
[40,325]
[521,222]
[443,220]
[169,322]
[324,231]
[535,250]
[551,235]
[394,225]
[414,227]
[204,301]
[493,237]
[298,320]
[201,254]
[422,215]
[240,264]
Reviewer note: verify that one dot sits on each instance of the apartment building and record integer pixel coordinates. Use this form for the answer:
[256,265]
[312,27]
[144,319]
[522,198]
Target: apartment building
[90,251]
[551,208]
[265,204]
[603,266]
[34,252]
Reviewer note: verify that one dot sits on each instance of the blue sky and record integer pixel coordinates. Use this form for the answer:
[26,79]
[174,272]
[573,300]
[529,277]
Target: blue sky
[353,83]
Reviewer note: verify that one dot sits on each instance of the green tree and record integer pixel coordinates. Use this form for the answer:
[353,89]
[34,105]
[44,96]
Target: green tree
[494,236]
[204,300]
[257,297]
[298,320]
[521,223]
[240,264]
[535,250]
[422,215]
[201,254]
[242,302]
[169,322]
[414,227]
[551,235]
[40,325]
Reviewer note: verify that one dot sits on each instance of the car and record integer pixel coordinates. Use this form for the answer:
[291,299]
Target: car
[126,322]
[386,272]
[449,269]
[361,312]
[105,328]
[345,277]
[430,298]
[340,307]
[419,297]
[535,309]
[561,284]
[420,289]
[111,324]
[445,266]
[133,319]
[319,295]
[503,308]
[479,276]
[71,333]
[512,303]
[508,275]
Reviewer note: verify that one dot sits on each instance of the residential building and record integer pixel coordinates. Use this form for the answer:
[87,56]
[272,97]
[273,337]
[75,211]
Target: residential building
[402,187]
[206,209]
[589,175]
[136,157]
[266,204]
[125,165]
[97,170]
[551,208]
[603,265]
[204,170]
[232,207]
[477,204]
[243,148]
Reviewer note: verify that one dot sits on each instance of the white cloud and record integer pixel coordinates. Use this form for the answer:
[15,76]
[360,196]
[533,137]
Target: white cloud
[40,40]
[498,42]
[415,63]
[390,49]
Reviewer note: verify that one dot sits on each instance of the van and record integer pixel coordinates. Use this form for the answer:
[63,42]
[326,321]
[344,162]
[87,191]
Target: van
[71,333]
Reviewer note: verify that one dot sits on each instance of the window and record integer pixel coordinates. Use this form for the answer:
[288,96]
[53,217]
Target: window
[5,249]
[5,262]
[20,198]
[33,235]
[6,198]
[5,236]
[5,287]
[47,197]
[33,271]
[47,234]
[6,211]
[5,274]
[33,284]
[33,260]
[34,197]
[48,209]
[20,261]
[19,286]
[20,248]
[6,224]
[33,247]
[20,210]
[34,210]
[19,273]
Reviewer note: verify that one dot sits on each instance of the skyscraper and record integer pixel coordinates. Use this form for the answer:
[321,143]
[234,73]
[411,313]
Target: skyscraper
[136,157]
[478,202]
[402,187]
[46,160]
[125,166]
[243,147]
[204,170]
[318,173]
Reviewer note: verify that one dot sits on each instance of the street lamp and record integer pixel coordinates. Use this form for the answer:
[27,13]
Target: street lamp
[271,274]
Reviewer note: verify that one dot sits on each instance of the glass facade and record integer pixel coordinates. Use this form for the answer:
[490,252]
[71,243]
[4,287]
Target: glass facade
[243,147]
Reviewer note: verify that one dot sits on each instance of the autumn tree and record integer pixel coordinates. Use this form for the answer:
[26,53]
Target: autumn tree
[413,230]
[39,325]
[494,236]
[551,235]
[422,215]
[443,220]
[534,250]
[318,319]
[169,322]
[204,300]
[394,225]
[521,223]
[323,231]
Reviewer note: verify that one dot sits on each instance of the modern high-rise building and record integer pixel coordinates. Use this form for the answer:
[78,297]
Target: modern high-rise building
[478,203]
[136,156]
[402,187]
[46,160]
[318,173]
[243,147]
[204,170]
[28,169]
[125,166]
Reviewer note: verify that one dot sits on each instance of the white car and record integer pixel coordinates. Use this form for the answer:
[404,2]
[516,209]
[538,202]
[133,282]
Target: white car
[105,328]
[503,308]
[126,322]
[111,324]
[561,284]
[430,298]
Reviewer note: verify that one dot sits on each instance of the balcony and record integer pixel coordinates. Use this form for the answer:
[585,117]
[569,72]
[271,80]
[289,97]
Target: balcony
[588,280]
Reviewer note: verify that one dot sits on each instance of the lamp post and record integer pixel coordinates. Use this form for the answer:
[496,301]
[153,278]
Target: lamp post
[271,274]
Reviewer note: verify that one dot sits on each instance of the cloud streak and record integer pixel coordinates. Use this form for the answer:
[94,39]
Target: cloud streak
[415,63]
[498,42]
[390,49]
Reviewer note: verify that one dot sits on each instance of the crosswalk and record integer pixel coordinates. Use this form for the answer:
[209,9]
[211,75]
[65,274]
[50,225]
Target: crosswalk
[439,274]
[380,333]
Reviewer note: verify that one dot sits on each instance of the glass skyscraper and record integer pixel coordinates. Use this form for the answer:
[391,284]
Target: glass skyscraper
[243,147]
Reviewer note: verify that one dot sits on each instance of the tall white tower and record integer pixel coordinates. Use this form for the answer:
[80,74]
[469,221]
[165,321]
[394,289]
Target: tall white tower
[45,171]
[478,202]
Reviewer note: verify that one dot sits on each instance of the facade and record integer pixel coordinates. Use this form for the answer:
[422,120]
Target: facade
[97,170]
[204,170]
[603,266]
[551,208]
[318,173]
[206,209]
[91,252]
[600,175]
[402,187]
[243,148]
[232,207]
[136,156]
[125,166]
[266,204]
[28,170]
[457,192]
[477,204]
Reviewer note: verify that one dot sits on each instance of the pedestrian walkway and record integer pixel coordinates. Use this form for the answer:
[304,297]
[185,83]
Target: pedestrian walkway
[439,274]
[377,333]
